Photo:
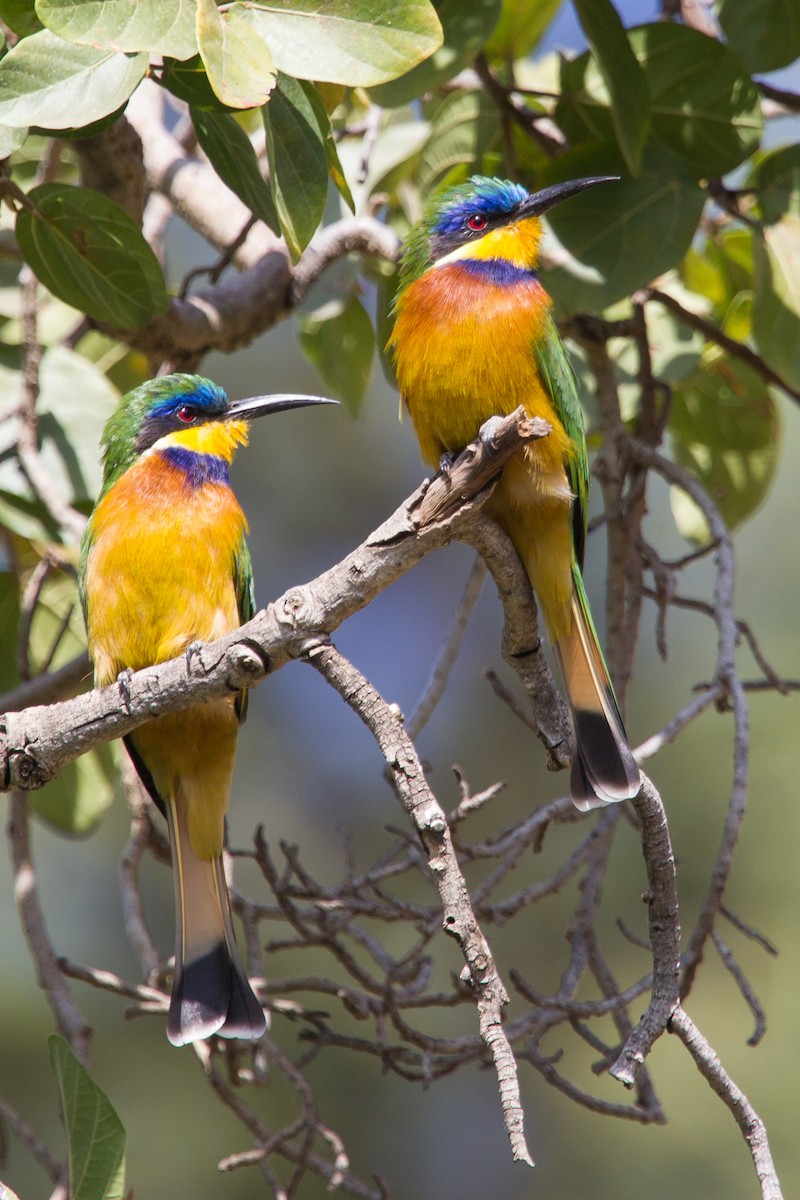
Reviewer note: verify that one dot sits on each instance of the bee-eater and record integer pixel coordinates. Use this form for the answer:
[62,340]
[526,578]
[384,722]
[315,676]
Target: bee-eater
[164,564]
[474,337]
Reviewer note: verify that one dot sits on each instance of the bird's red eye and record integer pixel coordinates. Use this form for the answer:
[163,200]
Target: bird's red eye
[187,413]
[476,221]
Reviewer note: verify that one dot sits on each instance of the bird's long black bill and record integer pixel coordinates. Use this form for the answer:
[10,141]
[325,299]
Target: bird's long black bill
[261,406]
[539,202]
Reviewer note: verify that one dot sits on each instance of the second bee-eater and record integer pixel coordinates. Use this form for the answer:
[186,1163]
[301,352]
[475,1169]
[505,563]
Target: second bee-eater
[164,565]
[474,337]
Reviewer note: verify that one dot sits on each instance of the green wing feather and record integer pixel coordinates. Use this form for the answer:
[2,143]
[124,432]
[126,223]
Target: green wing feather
[246,603]
[561,385]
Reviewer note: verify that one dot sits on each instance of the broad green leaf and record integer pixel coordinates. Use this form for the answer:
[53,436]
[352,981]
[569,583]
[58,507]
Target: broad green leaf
[90,254]
[75,401]
[623,77]
[298,168]
[464,128]
[95,1134]
[19,512]
[20,16]
[46,81]
[724,429]
[703,107]
[465,28]
[9,622]
[721,268]
[55,321]
[607,234]
[188,81]
[335,171]
[765,34]
[521,26]
[357,42]
[339,341]
[79,797]
[777,180]
[11,138]
[776,304]
[129,25]
[236,54]
[232,156]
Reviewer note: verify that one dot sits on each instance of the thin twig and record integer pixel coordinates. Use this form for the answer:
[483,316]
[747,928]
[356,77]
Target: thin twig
[69,1021]
[746,1117]
[448,653]
[429,820]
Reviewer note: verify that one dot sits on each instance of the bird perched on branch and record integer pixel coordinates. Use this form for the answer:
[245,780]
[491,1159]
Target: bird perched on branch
[164,565]
[473,338]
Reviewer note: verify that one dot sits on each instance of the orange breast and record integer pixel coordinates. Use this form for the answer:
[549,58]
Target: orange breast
[464,351]
[160,568]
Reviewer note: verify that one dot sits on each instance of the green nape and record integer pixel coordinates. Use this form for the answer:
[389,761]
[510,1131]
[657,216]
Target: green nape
[446,211]
[119,436]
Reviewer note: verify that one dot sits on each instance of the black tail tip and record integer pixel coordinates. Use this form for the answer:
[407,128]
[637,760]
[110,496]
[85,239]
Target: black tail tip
[212,995]
[603,770]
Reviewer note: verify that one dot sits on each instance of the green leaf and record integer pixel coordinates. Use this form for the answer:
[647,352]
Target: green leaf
[464,128]
[623,77]
[232,156]
[9,623]
[79,797]
[128,25]
[236,54]
[188,81]
[465,28]
[764,33]
[90,253]
[335,171]
[75,401]
[298,169]
[11,138]
[777,180]
[707,111]
[520,28]
[46,81]
[20,16]
[776,304]
[95,1134]
[356,42]
[724,429]
[338,339]
[608,245]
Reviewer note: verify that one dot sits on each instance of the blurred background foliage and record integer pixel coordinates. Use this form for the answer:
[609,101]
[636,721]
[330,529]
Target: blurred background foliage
[306,118]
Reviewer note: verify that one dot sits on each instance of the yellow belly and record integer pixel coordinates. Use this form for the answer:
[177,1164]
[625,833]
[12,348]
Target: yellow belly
[159,573]
[462,359]
[160,576]
[466,354]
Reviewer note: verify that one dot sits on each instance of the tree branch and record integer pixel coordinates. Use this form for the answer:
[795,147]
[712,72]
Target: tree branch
[458,918]
[746,1117]
[37,743]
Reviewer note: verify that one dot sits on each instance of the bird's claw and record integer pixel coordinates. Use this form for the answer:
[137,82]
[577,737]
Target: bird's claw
[446,461]
[193,650]
[124,682]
